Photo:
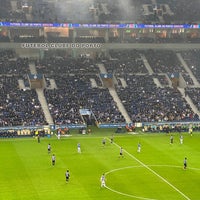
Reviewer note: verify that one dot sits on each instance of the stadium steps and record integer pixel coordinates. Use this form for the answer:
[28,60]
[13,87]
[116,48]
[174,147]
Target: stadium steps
[41,97]
[157,82]
[93,82]
[168,80]
[123,82]
[120,106]
[147,65]
[102,69]
[196,83]
[115,96]
[189,101]
[53,84]
[44,105]
[32,68]
[21,84]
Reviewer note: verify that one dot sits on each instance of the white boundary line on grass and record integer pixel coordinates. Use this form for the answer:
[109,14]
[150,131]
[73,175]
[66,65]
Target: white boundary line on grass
[136,166]
[121,193]
[163,179]
[128,195]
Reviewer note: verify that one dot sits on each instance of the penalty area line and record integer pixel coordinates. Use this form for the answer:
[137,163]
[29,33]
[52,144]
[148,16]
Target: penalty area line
[152,171]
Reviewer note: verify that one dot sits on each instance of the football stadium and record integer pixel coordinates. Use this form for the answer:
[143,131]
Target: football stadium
[100,99]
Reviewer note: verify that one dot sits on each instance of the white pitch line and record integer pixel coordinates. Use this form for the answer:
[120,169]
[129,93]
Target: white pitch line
[136,166]
[124,194]
[163,179]
[128,195]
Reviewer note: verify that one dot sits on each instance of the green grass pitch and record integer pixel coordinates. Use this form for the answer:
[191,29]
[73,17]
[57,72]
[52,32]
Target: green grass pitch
[156,173]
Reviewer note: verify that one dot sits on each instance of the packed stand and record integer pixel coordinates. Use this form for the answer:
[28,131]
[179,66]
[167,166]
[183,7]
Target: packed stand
[194,94]
[43,11]
[171,127]
[187,79]
[10,13]
[19,107]
[16,66]
[118,11]
[101,12]
[10,64]
[143,100]
[65,65]
[191,10]
[8,134]
[166,61]
[4,38]
[74,78]
[147,103]
[125,62]
[192,58]
[163,61]
[75,92]
[162,79]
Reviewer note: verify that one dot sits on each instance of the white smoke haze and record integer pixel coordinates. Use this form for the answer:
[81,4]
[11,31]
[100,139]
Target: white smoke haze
[129,10]
[76,11]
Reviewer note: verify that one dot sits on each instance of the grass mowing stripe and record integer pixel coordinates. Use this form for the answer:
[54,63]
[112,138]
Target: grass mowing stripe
[163,179]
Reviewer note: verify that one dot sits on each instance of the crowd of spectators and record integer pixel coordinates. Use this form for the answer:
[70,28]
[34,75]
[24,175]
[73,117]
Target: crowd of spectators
[75,91]
[4,38]
[163,61]
[194,94]
[7,54]
[66,64]
[173,127]
[19,107]
[43,11]
[190,9]
[125,62]
[166,61]
[142,98]
[162,79]
[7,13]
[187,79]
[145,102]
[78,82]
[8,134]
[192,58]
[11,64]
[65,102]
